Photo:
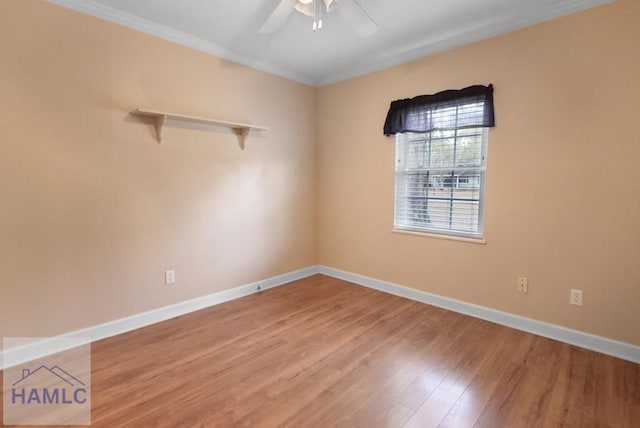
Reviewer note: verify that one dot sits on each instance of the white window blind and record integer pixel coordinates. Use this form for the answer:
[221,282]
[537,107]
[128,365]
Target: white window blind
[440,176]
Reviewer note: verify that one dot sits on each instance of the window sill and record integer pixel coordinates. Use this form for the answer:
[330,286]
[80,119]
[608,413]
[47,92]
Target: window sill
[481,241]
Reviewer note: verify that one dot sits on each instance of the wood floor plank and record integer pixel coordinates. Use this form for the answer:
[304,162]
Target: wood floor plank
[422,387]
[433,411]
[324,352]
[468,408]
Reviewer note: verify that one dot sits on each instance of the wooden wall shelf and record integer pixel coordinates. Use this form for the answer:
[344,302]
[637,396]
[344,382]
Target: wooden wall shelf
[240,129]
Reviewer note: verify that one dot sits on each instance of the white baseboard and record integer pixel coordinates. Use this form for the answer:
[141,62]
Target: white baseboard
[47,346]
[44,347]
[625,351]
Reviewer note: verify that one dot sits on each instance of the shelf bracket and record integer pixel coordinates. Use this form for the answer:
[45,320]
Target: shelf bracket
[241,133]
[159,124]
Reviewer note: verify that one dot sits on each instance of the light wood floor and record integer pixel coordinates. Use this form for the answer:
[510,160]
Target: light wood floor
[321,352]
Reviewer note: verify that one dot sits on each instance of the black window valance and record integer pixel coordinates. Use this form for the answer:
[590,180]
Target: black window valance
[452,109]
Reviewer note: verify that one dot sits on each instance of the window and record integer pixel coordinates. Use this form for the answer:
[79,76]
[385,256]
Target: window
[441,147]
[440,181]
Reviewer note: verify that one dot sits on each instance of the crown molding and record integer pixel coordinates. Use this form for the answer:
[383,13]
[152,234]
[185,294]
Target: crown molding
[95,9]
[464,36]
[420,49]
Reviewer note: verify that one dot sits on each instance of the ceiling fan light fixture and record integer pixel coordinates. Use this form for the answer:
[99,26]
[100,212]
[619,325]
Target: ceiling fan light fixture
[307,7]
[353,12]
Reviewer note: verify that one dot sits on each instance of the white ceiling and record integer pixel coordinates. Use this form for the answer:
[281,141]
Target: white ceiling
[408,30]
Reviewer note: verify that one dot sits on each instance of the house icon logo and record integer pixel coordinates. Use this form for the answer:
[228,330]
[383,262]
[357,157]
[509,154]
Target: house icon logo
[53,389]
[48,385]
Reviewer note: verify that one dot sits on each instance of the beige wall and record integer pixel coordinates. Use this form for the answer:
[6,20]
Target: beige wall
[94,211]
[563,190]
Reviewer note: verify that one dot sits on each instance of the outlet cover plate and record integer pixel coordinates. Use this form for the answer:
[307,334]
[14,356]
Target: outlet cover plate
[575,298]
[523,285]
[169,277]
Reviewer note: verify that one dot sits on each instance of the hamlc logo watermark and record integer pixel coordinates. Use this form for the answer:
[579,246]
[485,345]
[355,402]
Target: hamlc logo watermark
[52,390]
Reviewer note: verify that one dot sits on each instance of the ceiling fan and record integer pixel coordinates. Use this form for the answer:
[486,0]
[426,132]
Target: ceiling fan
[350,9]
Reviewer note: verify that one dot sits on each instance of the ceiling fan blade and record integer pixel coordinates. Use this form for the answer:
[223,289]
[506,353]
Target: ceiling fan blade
[278,16]
[358,17]
[306,9]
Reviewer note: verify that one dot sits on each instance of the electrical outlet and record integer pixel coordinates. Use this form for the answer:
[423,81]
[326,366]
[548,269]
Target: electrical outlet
[523,285]
[169,277]
[575,297]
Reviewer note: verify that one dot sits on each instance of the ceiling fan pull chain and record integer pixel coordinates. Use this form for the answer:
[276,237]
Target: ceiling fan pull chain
[317,12]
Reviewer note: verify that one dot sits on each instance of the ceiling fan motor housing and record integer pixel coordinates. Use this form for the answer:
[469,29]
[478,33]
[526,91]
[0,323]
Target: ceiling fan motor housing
[307,7]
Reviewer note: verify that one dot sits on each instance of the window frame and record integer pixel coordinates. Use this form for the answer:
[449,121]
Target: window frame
[400,225]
